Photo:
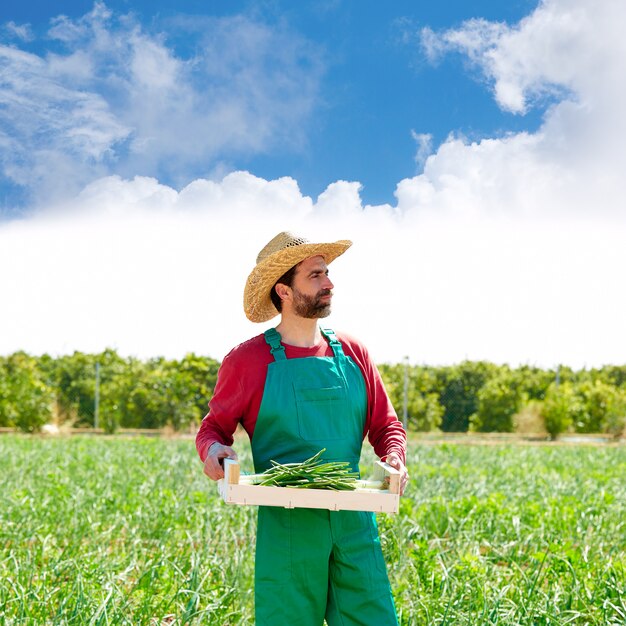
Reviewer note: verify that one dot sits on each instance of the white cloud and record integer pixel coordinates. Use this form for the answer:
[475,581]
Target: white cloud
[21,31]
[573,164]
[424,143]
[121,100]
[138,266]
[557,47]
[51,129]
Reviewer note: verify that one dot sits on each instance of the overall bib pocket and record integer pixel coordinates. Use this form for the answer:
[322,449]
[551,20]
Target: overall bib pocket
[321,412]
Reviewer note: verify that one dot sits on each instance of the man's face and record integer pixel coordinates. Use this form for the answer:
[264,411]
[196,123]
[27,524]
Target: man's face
[311,289]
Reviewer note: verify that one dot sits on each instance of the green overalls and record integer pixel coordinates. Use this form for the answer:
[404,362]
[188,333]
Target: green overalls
[313,564]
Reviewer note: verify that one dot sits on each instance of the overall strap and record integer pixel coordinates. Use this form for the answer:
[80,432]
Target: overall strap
[333,342]
[272,337]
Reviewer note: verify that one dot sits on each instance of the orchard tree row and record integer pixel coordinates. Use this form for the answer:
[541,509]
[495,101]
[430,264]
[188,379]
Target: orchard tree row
[130,393]
[111,392]
[482,397]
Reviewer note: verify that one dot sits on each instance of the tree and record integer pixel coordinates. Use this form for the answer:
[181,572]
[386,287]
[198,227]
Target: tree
[157,393]
[614,375]
[25,398]
[603,407]
[459,386]
[533,382]
[120,391]
[74,378]
[424,412]
[5,408]
[498,400]
[616,414]
[559,408]
[201,374]
[392,376]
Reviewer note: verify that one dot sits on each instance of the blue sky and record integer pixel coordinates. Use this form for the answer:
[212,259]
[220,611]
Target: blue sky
[473,151]
[366,86]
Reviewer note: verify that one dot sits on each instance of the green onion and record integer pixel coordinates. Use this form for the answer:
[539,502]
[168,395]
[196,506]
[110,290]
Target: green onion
[310,474]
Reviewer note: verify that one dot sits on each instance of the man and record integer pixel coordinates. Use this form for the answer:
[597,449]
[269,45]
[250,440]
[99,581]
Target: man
[296,389]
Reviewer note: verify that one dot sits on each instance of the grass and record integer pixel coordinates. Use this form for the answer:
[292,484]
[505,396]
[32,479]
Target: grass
[98,530]
[512,535]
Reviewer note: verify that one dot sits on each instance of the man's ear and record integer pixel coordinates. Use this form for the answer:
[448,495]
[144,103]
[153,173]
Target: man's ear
[283,291]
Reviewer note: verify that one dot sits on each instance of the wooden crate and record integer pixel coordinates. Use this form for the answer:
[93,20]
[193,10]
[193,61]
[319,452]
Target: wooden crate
[363,498]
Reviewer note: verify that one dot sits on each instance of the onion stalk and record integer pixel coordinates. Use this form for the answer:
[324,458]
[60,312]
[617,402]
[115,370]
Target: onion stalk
[310,474]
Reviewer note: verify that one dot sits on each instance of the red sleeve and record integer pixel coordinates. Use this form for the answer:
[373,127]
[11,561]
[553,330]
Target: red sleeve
[237,395]
[382,427]
[225,411]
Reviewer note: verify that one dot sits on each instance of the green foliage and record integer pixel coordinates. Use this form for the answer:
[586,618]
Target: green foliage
[614,375]
[133,393]
[486,397]
[117,379]
[603,408]
[157,393]
[482,540]
[101,530]
[590,406]
[162,393]
[559,409]
[74,379]
[533,382]
[393,378]
[424,412]
[615,418]
[459,387]
[25,398]
[499,400]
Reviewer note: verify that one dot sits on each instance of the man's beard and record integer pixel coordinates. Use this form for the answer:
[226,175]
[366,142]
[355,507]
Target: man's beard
[311,307]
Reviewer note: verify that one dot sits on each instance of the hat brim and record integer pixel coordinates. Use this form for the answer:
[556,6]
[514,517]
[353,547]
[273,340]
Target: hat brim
[257,303]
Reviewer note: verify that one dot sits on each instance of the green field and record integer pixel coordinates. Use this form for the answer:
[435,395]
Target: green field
[98,530]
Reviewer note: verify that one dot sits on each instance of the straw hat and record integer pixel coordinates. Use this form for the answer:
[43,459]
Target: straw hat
[278,256]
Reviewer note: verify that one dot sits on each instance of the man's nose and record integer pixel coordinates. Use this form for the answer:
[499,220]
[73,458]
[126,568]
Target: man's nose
[328,284]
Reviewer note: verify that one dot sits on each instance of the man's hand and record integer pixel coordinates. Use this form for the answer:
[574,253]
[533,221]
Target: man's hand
[396,462]
[212,464]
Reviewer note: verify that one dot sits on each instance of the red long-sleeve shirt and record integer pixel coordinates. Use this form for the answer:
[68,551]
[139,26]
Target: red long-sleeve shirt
[241,381]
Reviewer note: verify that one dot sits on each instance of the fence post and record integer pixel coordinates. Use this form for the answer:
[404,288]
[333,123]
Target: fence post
[96,407]
[405,403]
